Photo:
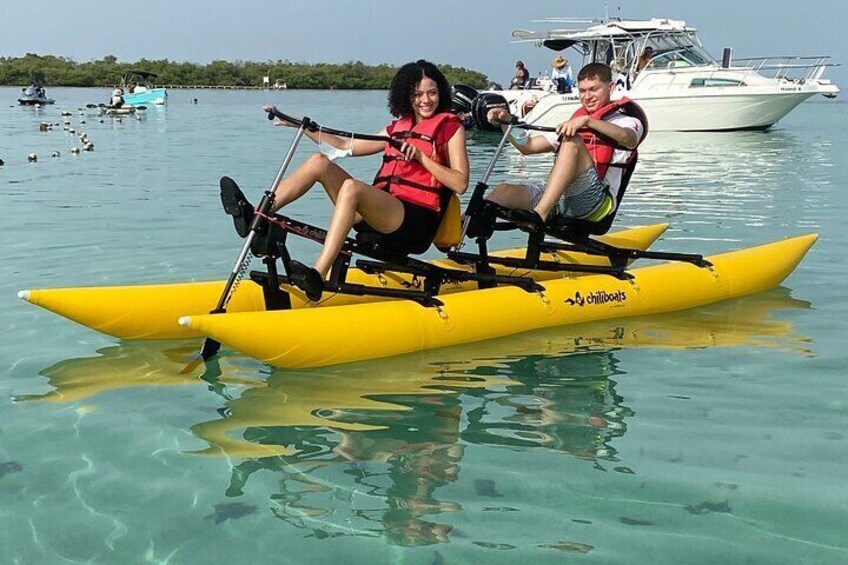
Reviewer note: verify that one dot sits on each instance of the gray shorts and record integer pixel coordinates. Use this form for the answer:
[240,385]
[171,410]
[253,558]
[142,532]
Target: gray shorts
[582,197]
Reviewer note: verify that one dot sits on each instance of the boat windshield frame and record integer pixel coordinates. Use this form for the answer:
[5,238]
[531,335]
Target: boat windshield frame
[671,49]
[143,78]
[620,47]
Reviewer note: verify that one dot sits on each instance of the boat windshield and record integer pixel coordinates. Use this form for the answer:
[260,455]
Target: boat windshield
[676,50]
[669,50]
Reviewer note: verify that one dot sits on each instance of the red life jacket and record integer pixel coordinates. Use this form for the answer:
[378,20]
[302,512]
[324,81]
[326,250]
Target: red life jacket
[600,147]
[410,180]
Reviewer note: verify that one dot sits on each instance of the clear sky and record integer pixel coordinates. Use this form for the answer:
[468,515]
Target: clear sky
[470,33]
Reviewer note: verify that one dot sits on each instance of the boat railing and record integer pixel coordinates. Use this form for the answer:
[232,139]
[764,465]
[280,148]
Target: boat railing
[788,68]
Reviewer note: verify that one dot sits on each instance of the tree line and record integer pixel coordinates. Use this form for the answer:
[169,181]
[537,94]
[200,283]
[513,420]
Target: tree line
[50,70]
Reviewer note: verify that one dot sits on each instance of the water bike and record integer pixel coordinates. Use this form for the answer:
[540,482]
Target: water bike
[422,308]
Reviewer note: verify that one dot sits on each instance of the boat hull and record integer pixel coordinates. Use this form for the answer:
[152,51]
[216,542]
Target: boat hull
[122,111]
[157,96]
[303,338]
[702,112]
[152,311]
[35,102]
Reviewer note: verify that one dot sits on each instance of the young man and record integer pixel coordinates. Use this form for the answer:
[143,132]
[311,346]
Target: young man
[593,149]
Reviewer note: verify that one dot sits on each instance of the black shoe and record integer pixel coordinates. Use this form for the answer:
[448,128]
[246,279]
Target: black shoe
[308,280]
[236,205]
[482,225]
[527,218]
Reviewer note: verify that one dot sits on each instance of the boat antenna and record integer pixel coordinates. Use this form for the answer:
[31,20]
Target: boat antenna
[606,12]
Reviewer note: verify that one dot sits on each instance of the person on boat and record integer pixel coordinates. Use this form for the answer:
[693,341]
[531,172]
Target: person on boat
[407,198]
[592,150]
[562,77]
[522,76]
[117,99]
[644,59]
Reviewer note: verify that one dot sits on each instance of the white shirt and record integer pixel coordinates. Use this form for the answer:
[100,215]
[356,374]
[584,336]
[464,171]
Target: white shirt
[619,156]
[562,72]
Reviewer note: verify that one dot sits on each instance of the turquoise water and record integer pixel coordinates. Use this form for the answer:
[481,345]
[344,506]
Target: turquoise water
[716,435]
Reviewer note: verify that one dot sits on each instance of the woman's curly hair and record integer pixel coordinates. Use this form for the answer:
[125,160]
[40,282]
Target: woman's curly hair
[405,81]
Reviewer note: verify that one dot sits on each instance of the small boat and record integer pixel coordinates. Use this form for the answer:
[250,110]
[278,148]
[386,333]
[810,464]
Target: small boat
[152,311]
[34,95]
[677,82]
[119,111]
[317,337]
[139,90]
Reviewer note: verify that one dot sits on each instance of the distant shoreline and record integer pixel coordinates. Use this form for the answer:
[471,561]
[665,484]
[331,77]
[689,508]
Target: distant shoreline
[50,71]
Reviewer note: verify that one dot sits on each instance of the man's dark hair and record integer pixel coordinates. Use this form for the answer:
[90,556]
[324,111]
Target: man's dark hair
[405,81]
[599,71]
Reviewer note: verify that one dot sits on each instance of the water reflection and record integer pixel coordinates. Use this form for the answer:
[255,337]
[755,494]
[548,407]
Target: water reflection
[566,403]
[369,449]
[131,365]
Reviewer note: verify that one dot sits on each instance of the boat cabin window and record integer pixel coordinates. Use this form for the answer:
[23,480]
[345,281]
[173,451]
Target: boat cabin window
[710,82]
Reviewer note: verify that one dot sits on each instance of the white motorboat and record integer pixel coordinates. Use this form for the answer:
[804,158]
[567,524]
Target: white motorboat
[680,85]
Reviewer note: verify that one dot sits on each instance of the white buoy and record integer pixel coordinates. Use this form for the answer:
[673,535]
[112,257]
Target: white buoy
[88,147]
[75,150]
[55,154]
[32,157]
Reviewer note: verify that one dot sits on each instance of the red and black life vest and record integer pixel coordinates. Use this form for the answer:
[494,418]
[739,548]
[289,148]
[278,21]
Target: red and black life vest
[410,180]
[602,148]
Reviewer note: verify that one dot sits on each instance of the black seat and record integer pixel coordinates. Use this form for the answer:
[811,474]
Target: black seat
[568,228]
[385,245]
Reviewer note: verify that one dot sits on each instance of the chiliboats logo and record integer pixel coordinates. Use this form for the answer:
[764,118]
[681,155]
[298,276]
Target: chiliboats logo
[598,297]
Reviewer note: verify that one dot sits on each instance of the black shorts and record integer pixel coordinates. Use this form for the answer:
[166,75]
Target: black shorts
[416,233]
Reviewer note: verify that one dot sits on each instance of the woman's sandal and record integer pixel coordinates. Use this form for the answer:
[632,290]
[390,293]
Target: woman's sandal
[237,206]
[308,280]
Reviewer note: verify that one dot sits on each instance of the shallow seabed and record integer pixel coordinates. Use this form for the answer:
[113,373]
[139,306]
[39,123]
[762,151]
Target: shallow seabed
[716,435]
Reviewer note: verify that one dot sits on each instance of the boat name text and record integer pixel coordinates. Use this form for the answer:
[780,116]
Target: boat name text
[598,297]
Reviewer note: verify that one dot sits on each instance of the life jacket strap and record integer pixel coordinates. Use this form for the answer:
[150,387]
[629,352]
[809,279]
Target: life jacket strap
[394,179]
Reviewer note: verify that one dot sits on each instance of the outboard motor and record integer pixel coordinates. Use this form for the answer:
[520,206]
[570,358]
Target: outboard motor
[462,96]
[462,99]
[482,104]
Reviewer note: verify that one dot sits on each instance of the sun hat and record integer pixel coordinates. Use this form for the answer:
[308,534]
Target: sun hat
[560,62]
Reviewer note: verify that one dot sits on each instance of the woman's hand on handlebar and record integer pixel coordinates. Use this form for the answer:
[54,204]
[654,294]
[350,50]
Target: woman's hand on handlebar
[410,152]
[278,121]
